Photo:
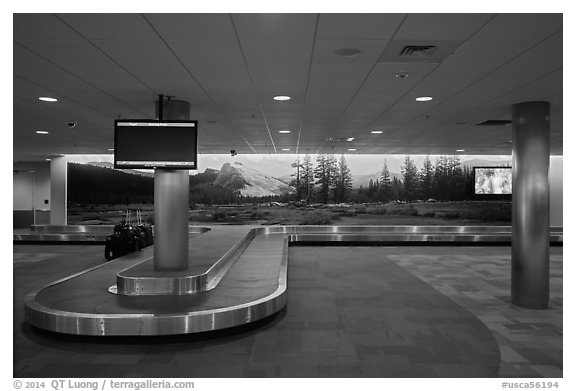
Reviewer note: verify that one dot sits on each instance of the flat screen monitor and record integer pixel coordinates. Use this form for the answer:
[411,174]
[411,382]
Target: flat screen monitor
[492,180]
[155,144]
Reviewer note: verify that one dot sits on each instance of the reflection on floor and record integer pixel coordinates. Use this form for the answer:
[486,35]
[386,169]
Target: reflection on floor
[342,320]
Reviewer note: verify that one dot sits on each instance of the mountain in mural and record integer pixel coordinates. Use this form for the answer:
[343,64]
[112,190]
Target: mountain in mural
[147,173]
[364,179]
[249,181]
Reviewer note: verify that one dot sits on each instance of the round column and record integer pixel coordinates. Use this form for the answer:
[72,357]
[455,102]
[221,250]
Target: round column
[171,205]
[530,204]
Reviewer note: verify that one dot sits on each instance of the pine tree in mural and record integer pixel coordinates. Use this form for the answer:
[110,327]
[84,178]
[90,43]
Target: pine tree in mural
[426,177]
[307,177]
[440,182]
[343,181]
[325,175]
[296,181]
[410,179]
[385,184]
[397,188]
[456,180]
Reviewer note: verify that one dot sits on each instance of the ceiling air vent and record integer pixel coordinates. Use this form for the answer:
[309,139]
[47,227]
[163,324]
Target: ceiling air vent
[418,51]
[421,51]
[494,122]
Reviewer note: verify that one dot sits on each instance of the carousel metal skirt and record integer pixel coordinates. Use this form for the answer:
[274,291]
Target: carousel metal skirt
[231,281]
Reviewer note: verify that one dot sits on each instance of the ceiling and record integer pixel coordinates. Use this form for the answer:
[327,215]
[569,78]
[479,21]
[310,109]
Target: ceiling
[102,67]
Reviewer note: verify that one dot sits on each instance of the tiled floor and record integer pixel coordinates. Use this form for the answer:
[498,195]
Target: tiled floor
[352,312]
[479,280]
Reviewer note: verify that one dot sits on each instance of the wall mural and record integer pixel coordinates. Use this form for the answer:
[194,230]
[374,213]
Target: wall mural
[297,189]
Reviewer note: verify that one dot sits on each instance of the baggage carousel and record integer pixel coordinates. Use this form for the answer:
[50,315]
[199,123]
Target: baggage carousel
[85,234]
[236,275]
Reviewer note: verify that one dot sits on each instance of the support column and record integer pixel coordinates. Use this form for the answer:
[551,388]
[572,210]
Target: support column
[170,220]
[171,203]
[58,190]
[530,204]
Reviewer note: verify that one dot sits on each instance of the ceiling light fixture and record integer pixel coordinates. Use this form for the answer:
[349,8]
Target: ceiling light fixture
[424,99]
[377,132]
[348,52]
[460,150]
[282,98]
[285,149]
[47,99]
[352,149]
[42,132]
[111,149]
[401,75]
[339,139]
[284,131]
[48,159]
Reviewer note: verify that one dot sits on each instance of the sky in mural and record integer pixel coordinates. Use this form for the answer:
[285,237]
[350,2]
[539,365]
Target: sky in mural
[279,165]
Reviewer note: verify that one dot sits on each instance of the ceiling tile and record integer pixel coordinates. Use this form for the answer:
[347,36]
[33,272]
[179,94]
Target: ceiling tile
[358,26]
[41,26]
[110,26]
[279,26]
[217,63]
[185,26]
[441,26]
[86,62]
[520,27]
[277,65]
[147,60]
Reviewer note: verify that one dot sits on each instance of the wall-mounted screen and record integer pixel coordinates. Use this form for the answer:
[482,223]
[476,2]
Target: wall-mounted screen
[155,144]
[492,180]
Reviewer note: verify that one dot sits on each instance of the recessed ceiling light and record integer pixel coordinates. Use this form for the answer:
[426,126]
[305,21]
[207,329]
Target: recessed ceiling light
[460,150]
[285,149]
[424,98]
[48,99]
[351,149]
[347,52]
[282,97]
[401,75]
[48,159]
[350,139]
[284,131]
[111,149]
[377,132]
[42,132]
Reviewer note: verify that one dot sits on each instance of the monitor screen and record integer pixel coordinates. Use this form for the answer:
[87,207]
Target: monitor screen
[155,144]
[492,180]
